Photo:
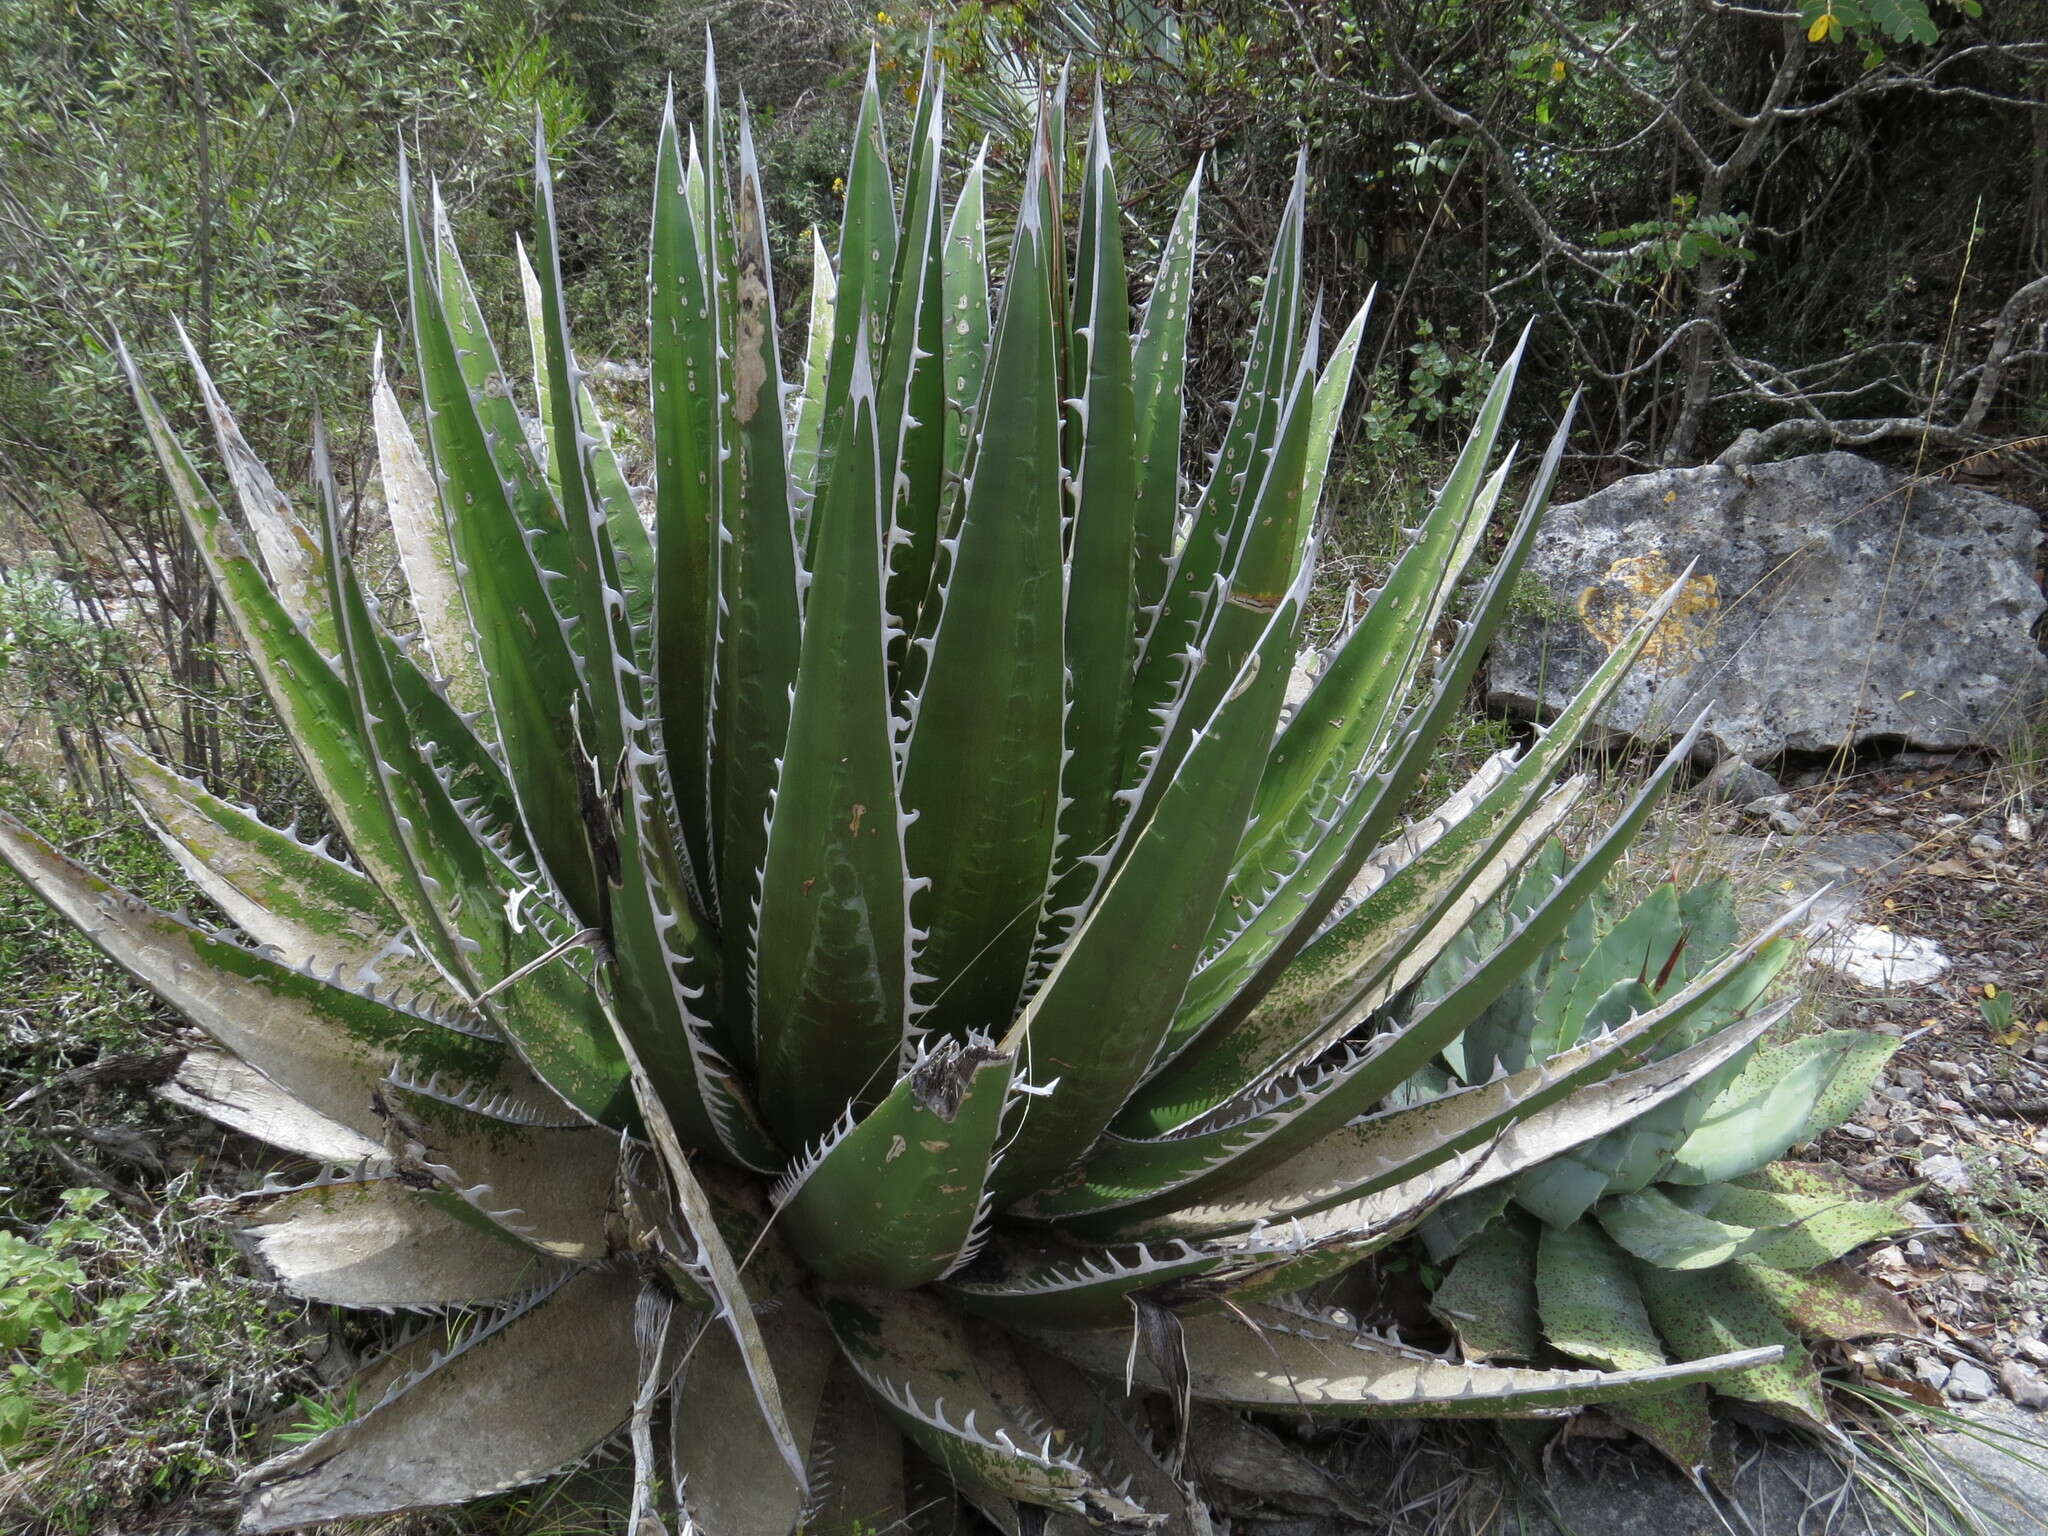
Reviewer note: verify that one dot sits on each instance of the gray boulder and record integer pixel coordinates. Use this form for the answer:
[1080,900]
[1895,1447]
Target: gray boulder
[1832,602]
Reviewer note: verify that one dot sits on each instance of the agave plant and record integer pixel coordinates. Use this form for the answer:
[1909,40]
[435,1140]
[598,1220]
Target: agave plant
[1678,1234]
[832,960]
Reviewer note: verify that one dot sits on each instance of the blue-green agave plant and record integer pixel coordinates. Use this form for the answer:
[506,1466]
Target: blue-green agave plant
[836,946]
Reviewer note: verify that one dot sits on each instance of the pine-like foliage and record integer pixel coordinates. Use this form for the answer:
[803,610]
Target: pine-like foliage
[849,961]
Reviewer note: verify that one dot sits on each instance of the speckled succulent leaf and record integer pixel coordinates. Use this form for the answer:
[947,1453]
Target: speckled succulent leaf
[1786,1095]
[1489,1299]
[1703,1312]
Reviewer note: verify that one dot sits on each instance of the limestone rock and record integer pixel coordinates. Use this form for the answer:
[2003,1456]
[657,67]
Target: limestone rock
[1832,603]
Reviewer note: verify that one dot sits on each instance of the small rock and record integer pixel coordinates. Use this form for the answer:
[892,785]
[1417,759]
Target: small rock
[2018,829]
[1912,1079]
[1761,807]
[1969,1383]
[1916,1252]
[1950,819]
[1946,1068]
[2023,1384]
[1985,846]
[1787,823]
[1735,782]
[2034,1349]
[1931,1371]
[1945,1171]
[1918,1215]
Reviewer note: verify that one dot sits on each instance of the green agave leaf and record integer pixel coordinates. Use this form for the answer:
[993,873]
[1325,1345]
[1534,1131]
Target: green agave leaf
[489,497]
[1021,1284]
[1220,518]
[1660,1231]
[960,1395]
[867,257]
[1593,1310]
[296,898]
[336,1051]
[1158,374]
[1370,1152]
[981,772]
[1096,1021]
[860,1484]
[832,951]
[1489,1298]
[912,388]
[967,317]
[1267,1359]
[551,1010]
[1786,1095]
[1102,617]
[1705,1311]
[762,633]
[1332,1215]
[685,379]
[895,1199]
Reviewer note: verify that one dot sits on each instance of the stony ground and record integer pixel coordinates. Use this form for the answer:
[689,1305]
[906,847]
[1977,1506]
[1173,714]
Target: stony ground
[1936,931]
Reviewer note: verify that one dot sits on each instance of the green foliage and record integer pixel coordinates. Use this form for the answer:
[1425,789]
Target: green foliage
[53,656]
[49,1329]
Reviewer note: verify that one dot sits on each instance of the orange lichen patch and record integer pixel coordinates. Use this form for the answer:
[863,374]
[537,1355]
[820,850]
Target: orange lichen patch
[1612,605]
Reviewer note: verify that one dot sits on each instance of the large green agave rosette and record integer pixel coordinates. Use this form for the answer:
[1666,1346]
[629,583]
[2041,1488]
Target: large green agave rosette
[824,945]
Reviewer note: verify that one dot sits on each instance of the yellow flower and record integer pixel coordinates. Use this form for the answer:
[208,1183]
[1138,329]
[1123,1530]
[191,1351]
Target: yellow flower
[881,18]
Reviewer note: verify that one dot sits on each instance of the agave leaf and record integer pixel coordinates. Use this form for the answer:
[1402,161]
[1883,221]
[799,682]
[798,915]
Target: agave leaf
[1221,519]
[377,1242]
[912,388]
[1832,1301]
[981,773]
[1025,1285]
[1267,1359]
[857,1481]
[967,319]
[228,1090]
[290,557]
[1372,1151]
[1489,1298]
[832,951]
[1591,1306]
[762,630]
[1158,373]
[550,1012]
[963,1398]
[1815,1229]
[730,1474]
[1703,1311]
[424,554]
[867,257]
[683,373]
[1660,1231]
[296,898]
[530,670]
[1089,1413]
[895,1199]
[1390,1209]
[1786,1095]
[1102,618]
[1096,1021]
[809,419]
[419,1446]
